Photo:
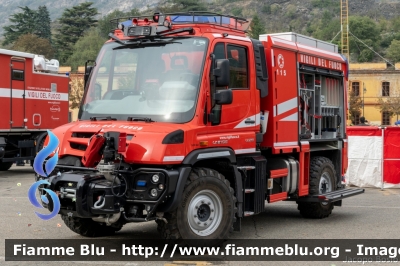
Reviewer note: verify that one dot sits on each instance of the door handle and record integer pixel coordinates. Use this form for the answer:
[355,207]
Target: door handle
[249,122]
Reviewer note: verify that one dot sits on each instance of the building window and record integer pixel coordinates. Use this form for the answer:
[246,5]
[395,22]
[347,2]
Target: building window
[355,87]
[385,118]
[385,89]
[356,118]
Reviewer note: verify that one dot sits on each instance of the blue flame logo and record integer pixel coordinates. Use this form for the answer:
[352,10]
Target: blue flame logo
[44,153]
[38,167]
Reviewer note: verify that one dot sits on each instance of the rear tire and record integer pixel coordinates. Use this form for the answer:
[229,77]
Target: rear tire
[4,166]
[207,210]
[89,228]
[322,177]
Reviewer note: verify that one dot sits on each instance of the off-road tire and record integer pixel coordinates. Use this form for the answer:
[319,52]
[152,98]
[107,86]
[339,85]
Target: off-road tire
[316,210]
[200,179]
[4,166]
[88,227]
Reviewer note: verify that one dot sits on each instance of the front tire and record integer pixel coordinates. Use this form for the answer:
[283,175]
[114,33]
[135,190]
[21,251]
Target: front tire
[4,166]
[207,210]
[322,177]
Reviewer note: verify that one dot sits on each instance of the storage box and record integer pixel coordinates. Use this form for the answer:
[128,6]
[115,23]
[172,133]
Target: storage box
[302,39]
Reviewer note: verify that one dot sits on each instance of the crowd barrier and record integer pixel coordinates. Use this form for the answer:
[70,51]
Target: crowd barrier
[374,156]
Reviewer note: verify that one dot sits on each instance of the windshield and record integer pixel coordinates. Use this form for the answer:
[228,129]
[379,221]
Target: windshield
[156,81]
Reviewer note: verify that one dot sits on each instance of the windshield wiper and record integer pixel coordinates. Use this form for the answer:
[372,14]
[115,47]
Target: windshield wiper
[98,118]
[145,42]
[118,40]
[145,119]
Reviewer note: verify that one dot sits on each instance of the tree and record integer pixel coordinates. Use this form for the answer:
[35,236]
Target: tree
[390,104]
[31,43]
[43,22]
[23,23]
[393,52]
[87,47]
[355,106]
[74,22]
[366,30]
[76,91]
[256,28]
[28,22]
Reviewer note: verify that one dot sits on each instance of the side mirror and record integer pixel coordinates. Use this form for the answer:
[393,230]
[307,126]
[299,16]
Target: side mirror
[223,96]
[88,70]
[221,72]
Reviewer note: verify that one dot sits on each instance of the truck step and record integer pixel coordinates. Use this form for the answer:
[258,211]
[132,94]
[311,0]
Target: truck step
[249,190]
[332,196]
[246,167]
[248,214]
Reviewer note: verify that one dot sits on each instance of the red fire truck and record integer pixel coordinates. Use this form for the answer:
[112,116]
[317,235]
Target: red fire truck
[33,99]
[188,122]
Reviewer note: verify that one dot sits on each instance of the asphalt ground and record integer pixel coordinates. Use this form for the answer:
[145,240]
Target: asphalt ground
[372,215]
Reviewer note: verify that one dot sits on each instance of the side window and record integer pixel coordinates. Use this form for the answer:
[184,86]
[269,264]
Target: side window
[238,67]
[219,51]
[18,74]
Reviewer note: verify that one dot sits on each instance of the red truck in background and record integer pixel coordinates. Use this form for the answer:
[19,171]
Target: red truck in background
[33,99]
[188,122]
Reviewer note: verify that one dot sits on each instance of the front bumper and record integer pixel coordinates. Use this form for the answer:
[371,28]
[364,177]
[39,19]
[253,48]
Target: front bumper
[88,195]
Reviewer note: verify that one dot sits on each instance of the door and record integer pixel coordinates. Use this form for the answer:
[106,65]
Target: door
[235,124]
[17,93]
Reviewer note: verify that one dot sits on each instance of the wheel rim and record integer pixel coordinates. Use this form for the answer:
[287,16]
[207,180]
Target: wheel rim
[205,213]
[325,185]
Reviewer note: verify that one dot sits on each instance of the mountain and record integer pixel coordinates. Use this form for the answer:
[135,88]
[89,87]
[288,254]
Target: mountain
[288,8]
[56,8]
[302,16]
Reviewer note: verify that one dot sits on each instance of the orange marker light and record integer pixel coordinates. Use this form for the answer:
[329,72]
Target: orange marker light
[203,143]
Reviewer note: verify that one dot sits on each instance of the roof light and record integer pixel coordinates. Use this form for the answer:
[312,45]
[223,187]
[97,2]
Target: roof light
[134,21]
[146,20]
[167,24]
[156,17]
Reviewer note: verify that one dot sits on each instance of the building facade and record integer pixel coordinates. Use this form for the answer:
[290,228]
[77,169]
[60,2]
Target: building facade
[371,82]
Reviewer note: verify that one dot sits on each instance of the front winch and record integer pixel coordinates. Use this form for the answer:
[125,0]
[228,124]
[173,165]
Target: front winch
[67,193]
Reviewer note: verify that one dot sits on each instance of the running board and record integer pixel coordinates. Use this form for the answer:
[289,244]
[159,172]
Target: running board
[332,196]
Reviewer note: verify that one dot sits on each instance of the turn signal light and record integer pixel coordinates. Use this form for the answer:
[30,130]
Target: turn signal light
[204,143]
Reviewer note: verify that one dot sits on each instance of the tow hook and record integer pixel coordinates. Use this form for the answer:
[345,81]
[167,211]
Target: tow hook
[160,216]
[99,203]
